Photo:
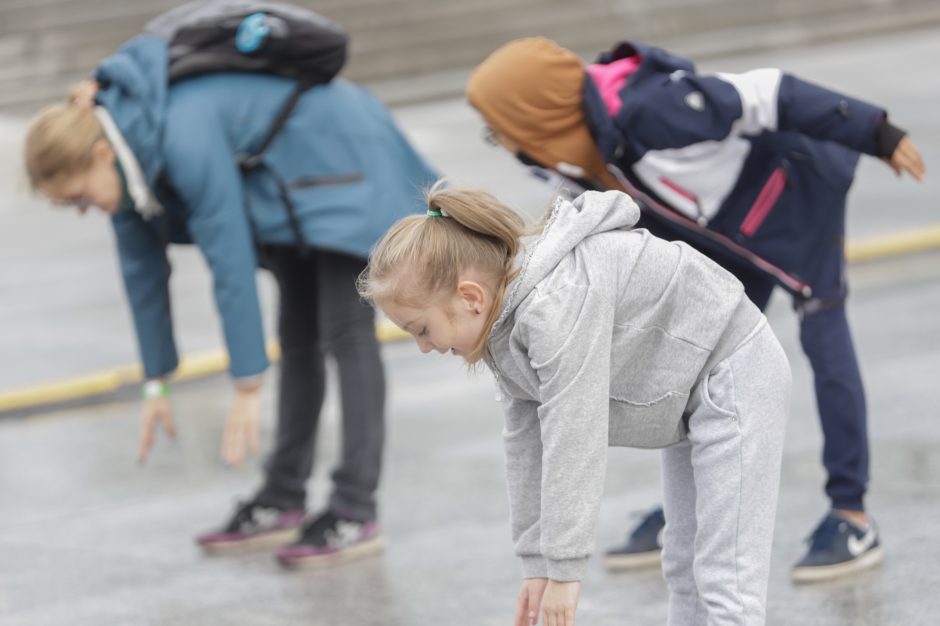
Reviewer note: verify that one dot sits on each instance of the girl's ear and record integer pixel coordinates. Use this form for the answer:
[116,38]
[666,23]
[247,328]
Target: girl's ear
[472,295]
[102,150]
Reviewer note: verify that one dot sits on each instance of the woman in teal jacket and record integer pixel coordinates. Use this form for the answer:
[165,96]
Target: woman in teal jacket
[163,162]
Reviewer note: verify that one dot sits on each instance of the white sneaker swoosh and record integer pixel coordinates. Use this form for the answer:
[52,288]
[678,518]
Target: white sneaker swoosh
[858,546]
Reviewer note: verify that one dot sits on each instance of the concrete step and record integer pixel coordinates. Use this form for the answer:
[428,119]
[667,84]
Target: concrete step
[743,40]
[351,14]
[45,45]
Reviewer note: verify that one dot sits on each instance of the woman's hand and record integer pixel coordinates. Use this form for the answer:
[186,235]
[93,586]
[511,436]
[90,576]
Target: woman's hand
[155,410]
[906,158]
[243,423]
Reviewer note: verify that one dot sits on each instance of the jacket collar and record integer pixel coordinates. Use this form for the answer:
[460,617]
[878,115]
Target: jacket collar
[144,202]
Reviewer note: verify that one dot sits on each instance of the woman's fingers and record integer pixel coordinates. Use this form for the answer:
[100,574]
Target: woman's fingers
[254,436]
[234,443]
[168,426]
[146,438]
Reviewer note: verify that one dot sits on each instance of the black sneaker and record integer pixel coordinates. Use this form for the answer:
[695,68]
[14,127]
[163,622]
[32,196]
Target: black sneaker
[643,547]
[838,548]
[253,526]
[329,539]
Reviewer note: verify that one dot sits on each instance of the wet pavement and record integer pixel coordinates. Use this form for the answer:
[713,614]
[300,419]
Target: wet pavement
[89,537]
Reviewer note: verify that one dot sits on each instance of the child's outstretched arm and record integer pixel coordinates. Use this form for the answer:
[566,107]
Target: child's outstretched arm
[556,448]
[770,99]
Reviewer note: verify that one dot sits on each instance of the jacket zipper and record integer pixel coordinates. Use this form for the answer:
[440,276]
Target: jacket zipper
[791,283]
[766,199]
[688,195]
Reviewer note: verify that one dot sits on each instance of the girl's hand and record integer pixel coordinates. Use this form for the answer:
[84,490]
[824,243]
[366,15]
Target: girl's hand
[907,158]
[559,603]
[243,424]
[530,597]
[155,410]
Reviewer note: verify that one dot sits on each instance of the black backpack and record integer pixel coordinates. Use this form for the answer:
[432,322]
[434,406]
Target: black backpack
[254,36]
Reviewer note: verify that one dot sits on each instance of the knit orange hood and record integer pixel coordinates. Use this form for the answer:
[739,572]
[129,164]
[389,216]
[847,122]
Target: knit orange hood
[530,91]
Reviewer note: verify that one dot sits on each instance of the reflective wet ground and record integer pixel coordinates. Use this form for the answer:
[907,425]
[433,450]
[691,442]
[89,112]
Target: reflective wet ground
[89,537]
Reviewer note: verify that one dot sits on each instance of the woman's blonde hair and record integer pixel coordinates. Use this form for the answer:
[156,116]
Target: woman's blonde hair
[475,230]
[59,142]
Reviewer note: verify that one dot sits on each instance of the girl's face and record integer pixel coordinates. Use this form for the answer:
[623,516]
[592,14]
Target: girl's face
[98,186]
[450,324]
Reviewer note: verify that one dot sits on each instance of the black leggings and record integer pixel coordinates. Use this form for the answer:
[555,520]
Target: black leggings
[320,313]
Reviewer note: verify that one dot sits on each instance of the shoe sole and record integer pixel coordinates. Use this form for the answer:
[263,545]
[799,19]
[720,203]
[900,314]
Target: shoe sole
[273,539]
[640,560]
[352,553]
[828,572]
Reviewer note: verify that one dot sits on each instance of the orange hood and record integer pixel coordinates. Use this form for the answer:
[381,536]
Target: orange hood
[530,91]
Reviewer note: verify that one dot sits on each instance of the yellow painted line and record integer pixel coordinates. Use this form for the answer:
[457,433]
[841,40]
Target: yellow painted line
[99,383]
[212,362]
[93,384]
[388,332]
[895,244]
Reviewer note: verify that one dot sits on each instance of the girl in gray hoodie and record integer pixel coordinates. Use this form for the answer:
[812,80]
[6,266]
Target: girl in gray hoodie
[599,334]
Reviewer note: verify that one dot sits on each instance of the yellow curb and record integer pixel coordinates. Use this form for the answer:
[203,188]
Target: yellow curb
[99,383]
[895,244]
[212,362]
[389,333]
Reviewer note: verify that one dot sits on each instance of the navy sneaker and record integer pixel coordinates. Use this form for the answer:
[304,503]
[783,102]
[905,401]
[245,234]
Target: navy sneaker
[838,548]
[253,526]
[643,547]
[329,539]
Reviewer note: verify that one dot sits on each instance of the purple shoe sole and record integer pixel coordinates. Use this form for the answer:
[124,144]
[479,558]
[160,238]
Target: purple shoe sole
[306,555]
[285,530]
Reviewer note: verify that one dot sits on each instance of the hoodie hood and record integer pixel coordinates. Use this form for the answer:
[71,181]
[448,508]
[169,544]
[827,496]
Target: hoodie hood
[530,91]
[133,88]
[570,223]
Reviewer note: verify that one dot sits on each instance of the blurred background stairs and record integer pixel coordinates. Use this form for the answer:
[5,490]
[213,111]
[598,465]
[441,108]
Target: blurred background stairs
[45,45]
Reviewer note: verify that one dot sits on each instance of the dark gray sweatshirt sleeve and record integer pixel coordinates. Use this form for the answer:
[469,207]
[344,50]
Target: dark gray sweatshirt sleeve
[556,487]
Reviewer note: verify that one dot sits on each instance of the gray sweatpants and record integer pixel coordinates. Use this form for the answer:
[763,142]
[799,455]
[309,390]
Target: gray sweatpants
[720,488]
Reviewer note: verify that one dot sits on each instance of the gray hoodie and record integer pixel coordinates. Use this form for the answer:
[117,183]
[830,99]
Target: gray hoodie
[603,334]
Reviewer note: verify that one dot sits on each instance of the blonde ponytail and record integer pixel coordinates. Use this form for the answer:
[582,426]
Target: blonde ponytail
[475,230]
[59,143]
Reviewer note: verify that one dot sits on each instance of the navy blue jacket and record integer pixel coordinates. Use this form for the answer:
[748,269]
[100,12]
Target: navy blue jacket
[751,167]
[349,170]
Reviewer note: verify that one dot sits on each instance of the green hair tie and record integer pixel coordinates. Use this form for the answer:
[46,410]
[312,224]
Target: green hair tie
[434,213]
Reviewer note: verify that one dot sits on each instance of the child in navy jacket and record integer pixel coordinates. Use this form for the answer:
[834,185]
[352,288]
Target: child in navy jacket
[752,169]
